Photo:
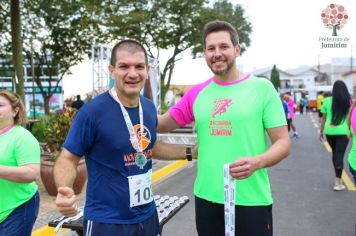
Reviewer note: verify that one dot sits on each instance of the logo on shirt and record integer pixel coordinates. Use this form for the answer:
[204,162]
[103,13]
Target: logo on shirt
[144,140]
[220,127]
[220,106]
[143,136]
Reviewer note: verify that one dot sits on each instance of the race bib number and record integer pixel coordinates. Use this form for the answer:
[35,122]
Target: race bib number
[140,189]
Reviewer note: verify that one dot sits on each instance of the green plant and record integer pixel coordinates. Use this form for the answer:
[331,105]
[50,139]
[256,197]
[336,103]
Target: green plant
[57,127]
[38,129]
[164,108]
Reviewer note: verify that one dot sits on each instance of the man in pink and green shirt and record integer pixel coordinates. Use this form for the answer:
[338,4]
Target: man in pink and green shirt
[232,112]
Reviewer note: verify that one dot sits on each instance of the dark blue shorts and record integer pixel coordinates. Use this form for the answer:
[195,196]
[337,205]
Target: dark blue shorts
[149,227]
[22,219]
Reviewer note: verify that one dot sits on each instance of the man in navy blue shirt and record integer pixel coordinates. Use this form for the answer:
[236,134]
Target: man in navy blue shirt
[116,132]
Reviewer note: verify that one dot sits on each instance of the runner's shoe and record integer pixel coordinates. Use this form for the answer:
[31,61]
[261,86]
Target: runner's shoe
[339,187]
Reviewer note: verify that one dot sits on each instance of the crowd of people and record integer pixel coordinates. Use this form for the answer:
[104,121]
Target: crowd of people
[117,132]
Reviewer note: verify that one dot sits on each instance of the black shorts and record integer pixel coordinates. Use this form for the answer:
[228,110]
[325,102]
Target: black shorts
[249,220]
[289,122]
[320,114]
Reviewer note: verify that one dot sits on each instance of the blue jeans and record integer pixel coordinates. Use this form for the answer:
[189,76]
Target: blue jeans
[22,219]
[353,173]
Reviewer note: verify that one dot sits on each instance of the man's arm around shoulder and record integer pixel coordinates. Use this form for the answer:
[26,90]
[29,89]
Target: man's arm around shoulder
[169,152]
[166,123]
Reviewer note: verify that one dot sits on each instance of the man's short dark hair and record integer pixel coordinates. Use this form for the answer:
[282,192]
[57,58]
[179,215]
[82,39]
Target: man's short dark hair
[217,26]
[130,45]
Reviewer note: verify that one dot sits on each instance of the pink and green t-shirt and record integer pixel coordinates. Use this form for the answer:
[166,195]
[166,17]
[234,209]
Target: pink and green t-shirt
[231,121]
[17,147]
[291,108]
[352,153]
[329,129]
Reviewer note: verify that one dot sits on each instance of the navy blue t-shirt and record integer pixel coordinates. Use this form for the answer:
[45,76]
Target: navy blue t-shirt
[99,133]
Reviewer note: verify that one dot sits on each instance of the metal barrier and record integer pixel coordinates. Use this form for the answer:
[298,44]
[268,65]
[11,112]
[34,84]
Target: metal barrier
[167,207]
[184,139]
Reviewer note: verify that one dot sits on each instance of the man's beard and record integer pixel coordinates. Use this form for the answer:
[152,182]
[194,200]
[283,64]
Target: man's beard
[225,71]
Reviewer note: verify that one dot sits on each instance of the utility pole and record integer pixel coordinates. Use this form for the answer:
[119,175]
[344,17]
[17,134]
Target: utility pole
[319,79]
[33,82]
[17,47]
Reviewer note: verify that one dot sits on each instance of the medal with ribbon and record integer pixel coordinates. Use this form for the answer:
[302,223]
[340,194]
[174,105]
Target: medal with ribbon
[229,203]
[140,158]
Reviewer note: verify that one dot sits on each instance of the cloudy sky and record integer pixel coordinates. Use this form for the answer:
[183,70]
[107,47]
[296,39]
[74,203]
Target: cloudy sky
[285,33]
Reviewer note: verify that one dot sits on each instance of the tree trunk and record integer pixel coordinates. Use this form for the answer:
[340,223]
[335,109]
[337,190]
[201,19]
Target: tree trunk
[17,47]
[46,104]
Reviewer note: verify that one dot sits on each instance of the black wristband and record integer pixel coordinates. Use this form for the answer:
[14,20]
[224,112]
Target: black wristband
[188,153]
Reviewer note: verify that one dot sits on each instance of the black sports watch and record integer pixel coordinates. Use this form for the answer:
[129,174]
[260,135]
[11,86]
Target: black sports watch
[188,153]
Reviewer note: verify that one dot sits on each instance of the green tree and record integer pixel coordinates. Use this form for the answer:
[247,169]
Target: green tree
[5,41]
[275,78]
[58,33]
[226,11]
[172,24]
[5,30]
[63,31]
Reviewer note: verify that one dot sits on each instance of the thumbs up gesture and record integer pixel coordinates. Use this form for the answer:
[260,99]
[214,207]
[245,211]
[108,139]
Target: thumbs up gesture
[65,201]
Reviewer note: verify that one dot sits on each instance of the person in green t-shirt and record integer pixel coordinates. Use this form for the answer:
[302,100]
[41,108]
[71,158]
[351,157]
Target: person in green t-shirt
[232,112]
[352,153]
[19,168]
[319,104]
[334,125]
[302,104]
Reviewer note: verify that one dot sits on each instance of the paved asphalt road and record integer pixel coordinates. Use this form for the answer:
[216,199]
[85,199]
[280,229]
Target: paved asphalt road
[304,202]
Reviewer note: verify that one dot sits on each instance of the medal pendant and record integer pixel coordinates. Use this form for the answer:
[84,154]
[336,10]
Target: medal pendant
[140,160]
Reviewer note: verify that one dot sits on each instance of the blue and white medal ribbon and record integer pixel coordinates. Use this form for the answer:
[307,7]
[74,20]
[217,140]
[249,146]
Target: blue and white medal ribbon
[140,158]
[229,203]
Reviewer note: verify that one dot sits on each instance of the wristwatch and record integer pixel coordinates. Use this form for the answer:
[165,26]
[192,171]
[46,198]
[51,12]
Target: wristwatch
[188,153]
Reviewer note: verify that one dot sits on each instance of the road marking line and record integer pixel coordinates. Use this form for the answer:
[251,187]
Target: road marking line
[156,176]
[159,174]
[327,146]
[348,182]
[315,125]
[48,231]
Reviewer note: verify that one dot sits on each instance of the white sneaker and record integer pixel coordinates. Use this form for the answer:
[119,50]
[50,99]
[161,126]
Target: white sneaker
[339,187]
